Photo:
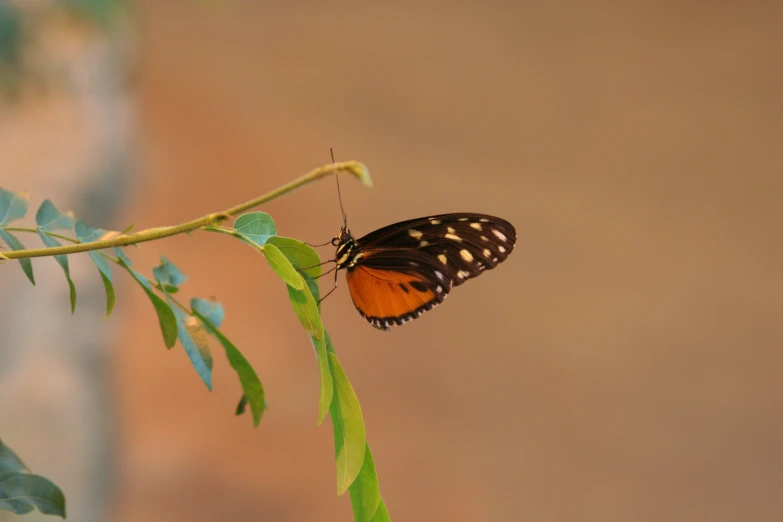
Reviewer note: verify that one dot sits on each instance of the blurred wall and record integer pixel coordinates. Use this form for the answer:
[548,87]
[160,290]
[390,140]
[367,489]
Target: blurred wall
[623,364]
[66,126]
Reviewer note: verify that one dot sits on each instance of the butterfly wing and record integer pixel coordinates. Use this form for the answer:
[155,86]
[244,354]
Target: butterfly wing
[463,244]
[407,268]
[394,286]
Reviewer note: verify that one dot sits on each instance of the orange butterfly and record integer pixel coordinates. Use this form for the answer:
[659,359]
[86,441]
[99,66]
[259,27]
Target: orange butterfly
[398,272]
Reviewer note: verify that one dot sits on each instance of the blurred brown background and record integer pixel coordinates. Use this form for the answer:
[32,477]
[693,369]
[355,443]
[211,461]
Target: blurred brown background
[623,364]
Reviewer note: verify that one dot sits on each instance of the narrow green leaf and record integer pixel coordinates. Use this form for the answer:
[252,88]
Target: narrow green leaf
[15,244]
[312,284]
[306,310]
[283,267]
[327,388]
[329,345]
[49,218]
[13,206]
[9,461]
[365,491]
[166,317]
[86,234]
[348,424]
[382,514]
[62,260]
[242,406]
[256,226]
[209,308]
[251,384]
[194,340]
[120,253]
[168,274]
[20,493]
[301,255]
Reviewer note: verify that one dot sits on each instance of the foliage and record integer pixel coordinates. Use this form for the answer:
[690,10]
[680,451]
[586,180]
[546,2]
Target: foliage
[193,324]
[21,491]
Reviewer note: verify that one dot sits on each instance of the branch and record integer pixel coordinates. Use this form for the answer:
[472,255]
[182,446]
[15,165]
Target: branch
[353,167]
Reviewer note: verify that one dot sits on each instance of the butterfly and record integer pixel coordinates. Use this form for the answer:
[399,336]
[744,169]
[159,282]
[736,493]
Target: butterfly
[403,270]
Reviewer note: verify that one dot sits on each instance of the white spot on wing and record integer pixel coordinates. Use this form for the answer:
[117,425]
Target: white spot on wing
[477,226]
[439,274]
[443,259]
[466,255]
[453,236]
[434,221]
[501,248]
[450,230]
[487,252]
[424,243]
[484,220]
[415,233]
[499,235]
[463,219]
[484,238]
[462,274]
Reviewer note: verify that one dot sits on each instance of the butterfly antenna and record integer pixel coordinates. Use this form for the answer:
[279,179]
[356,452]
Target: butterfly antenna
[339,196]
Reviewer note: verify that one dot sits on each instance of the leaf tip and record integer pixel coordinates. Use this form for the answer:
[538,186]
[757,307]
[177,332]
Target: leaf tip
[361,171]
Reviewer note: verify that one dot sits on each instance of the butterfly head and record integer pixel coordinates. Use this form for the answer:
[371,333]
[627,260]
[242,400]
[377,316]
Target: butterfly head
[345,243]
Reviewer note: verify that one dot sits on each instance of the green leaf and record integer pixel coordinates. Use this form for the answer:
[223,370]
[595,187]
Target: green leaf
[21,491]
[15,244]
[365,491]
[9,461]
[242,406]
[349,431]
[13,206]
[329,345]
[62,260]
[87,234]
[283,267]
[327,388]
[166,317]
[382,514]
[256,226]
[306,310]
[251,384]
[194,339]
[49,218]
[312,285]
[168,274]
[120,253]
[300,254]
[209,308]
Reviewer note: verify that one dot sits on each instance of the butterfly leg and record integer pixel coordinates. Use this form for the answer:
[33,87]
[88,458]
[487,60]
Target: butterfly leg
[332,290]
[319,264]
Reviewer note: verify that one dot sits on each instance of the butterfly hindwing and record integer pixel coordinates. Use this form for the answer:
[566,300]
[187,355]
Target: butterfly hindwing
[394,286]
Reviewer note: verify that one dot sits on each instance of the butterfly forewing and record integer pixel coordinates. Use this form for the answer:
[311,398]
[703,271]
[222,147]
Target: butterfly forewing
[400,271]
[464,244]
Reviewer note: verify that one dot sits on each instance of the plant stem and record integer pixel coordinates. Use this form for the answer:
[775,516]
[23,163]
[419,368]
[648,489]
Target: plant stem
[353,167]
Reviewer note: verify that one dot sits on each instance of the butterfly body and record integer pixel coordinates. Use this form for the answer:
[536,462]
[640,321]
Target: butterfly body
[400,271]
